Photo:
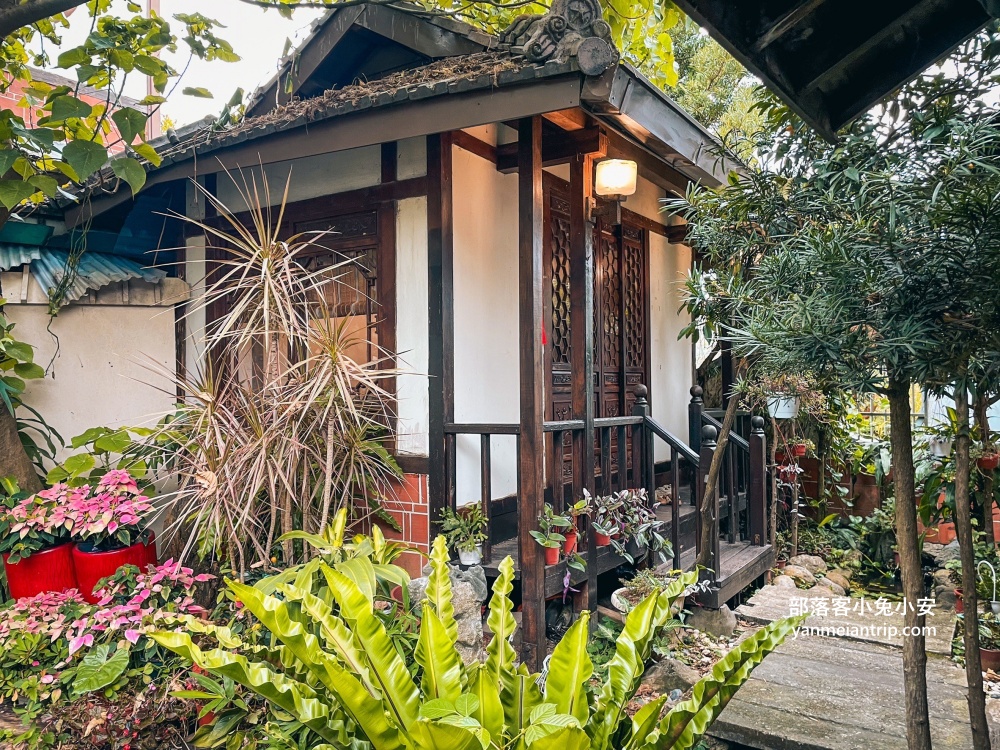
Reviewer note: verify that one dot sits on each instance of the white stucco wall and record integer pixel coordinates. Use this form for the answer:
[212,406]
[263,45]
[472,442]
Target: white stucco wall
[486,318]
[412,326]
[114,362]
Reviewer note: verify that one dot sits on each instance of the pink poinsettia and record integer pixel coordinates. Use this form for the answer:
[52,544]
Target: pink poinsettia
[112,513]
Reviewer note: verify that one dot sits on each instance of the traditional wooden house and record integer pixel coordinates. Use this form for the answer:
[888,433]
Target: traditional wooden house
[539,319]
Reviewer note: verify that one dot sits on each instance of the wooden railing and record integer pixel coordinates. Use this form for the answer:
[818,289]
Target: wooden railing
[623,456]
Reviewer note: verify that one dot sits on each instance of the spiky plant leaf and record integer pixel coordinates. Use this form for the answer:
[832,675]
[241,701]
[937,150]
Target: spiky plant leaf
[437,656]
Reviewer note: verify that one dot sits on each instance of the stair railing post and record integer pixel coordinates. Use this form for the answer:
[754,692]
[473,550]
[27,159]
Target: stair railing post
[757,501]
[695,408]
[708,436]
[643,461]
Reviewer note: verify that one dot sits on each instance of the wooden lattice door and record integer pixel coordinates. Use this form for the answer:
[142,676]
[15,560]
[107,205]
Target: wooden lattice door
[621,357]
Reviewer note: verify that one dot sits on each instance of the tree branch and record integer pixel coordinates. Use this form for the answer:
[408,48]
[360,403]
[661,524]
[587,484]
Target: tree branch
[20,14]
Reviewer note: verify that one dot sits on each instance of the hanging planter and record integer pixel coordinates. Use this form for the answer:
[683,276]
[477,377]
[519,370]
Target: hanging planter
[988,462]
[45,570]
[783,407]
[92,564]
[940,447]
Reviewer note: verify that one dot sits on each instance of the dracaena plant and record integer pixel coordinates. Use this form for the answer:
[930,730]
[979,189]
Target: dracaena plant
[340,676]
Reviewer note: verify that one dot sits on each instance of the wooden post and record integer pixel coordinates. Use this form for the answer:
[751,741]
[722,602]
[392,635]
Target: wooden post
[441,320]
[581,286]
[694,418]
[757,502]
[531,446]
[708,435]
[643,462]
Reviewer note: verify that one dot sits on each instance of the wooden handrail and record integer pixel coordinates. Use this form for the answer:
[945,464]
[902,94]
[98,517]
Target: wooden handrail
[458,428]
[738,440]
[568,424]
[617,421]
[672,440]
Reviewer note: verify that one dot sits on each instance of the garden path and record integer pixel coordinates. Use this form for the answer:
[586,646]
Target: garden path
[843,692]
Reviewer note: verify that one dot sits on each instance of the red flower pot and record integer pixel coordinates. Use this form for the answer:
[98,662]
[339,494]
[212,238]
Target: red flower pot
[91,567]
[990,659]
[569,546]
[46,570]
[989,462]
[602,540]
[799,450]
[959,602]
[551,555]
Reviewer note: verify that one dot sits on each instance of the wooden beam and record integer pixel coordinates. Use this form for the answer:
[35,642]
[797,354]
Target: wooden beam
[531,442]
[568,119]
[786,22]
[364,128]
[441,318]
[581,286]
[834,68]
[473,145]
[557,148]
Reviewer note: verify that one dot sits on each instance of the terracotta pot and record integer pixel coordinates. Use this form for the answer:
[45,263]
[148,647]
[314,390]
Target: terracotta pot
[779,564]
[990,659]
[602,540]
[799,450]
[551,555]
[959,602]
[572,537]
[91,567]
[47,570]
[943,534]
[989,462]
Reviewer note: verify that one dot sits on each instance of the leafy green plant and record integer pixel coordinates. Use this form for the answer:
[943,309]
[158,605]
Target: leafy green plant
[465,529]
[551,528]
[342,679]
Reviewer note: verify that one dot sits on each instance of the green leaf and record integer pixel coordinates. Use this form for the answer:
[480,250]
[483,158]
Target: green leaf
[442,666]
[201,93]
[7,158]
[13,192]
[430,735]
[85,157]
[73,57]
[437,708]
[79,464]
[568,738]
[439,587]
[113,442]
[97,670]
[148,153]
[130,123]
[490,711]
[29,370]
[131,171]
[569,672]
[65,107]
[45,183]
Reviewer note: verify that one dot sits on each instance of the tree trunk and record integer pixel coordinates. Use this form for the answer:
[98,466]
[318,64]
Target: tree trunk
[918,730]
[14,462]
[983,423]
[963,528]
[708,523]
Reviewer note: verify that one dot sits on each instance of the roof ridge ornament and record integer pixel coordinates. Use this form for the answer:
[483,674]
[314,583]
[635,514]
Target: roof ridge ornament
[571,28]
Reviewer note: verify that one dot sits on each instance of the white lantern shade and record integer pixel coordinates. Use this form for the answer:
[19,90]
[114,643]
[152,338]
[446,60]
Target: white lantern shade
[615,177]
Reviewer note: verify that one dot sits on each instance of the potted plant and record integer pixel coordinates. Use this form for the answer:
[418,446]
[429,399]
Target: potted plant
[550,533]
[35,542]
[801,447]
[111,525]
[606,520]
[641,530]
[783,406]
[988,459]
[465,531]
[989,640]
[641,585]
[576,510]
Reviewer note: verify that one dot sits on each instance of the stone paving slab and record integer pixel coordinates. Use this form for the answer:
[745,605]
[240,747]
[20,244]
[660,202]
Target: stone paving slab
[841,693]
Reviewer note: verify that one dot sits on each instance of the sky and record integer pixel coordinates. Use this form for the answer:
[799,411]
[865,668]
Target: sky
[258,36]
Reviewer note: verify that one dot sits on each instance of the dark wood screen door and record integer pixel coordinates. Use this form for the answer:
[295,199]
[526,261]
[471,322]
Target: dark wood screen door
[621,306]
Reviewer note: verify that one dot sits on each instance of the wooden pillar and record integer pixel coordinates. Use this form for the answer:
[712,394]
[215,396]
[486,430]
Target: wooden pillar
[581,286]
[531,443]
[441,320]
[758,483]
[708,436]
[695,408]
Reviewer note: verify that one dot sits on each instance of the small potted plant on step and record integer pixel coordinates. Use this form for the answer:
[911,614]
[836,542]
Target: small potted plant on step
[606,520]
[550,533]
[35,542]
[111,523]
[465,531]
[576,510]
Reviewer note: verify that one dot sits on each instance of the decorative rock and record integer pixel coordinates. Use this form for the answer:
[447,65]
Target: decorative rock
[799,574]
[474,576]
[948,553]
[846,572]
[468,604]
[944,589]
[812,563]
[670,674]
[719,622]
[832,586]
[786,582]
[838,578]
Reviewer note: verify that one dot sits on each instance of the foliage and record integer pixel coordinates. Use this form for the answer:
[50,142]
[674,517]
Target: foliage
[102,449]
[989,631]
[551,528]
[29,523]
[287,441]
[641,527]
[342,679]
[17,364]
[465,529]
[608,513]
